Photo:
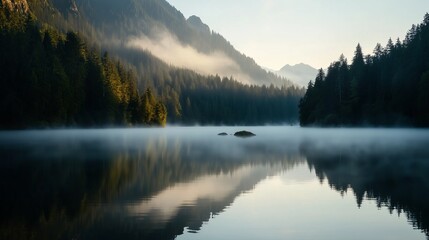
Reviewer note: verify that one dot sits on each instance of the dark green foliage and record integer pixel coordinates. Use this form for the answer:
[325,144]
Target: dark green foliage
[99,21]
[191,98]
[53,80]
[154,112]
[124,18]
[64,81]
[160,114]
[225,101]
[389,88]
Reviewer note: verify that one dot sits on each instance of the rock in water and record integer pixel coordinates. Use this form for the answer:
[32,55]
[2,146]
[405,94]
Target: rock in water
[223,134]
[244,134]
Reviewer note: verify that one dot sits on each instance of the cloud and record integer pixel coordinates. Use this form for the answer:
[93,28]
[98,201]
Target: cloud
[168,48]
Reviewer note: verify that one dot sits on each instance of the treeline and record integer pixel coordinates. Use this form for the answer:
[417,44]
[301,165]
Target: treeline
[192,98]
[94,91]
[188,98]
[225,101]
[53,79]
[71,185]
[388,88]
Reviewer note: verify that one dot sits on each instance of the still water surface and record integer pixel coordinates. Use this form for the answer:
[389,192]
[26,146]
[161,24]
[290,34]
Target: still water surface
[189,183]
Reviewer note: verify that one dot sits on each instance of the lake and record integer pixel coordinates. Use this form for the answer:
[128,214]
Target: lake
[189,183]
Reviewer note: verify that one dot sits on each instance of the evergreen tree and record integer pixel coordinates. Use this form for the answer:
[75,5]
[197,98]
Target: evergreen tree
[389,88]
[160,117]
[149,104]
[54,78]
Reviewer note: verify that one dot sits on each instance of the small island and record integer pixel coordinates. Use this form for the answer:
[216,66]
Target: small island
[244,134]
[223,134]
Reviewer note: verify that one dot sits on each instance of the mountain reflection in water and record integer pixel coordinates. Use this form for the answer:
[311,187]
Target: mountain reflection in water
[154,183]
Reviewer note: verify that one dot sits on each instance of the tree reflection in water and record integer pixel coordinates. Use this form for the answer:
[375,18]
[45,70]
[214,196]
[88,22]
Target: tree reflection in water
[146,184]
[395,176]
[94,187]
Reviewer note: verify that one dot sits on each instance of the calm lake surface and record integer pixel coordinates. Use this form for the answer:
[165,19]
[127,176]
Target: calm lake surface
[189,183]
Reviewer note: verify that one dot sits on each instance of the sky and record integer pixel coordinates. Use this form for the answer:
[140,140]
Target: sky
[315,32]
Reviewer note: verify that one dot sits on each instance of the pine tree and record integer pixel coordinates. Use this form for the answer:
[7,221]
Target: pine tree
[389,88]
[160,117]
[149,105]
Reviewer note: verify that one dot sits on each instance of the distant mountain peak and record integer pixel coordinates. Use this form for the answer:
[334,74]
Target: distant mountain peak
[196,23]
[300,73]
[163,31]
[297,66]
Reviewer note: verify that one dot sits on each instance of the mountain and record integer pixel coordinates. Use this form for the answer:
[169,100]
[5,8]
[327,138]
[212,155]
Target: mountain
[158,27]
[197,24]
[92,63]
[300,74]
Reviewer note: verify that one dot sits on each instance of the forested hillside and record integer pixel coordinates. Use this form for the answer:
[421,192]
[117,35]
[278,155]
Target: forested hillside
[388,88]
[108,25]
[112,22]
[51,79]
[58,78]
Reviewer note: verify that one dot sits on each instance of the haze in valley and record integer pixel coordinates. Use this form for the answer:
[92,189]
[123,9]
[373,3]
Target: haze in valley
[314,32]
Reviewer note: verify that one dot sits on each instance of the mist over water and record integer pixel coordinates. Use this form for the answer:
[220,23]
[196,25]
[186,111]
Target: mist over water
[286,182]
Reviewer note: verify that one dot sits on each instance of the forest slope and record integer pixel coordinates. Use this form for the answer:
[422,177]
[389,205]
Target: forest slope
[58,78]
[388,88]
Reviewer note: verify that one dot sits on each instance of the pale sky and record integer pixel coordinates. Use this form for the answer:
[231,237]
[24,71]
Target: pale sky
[316,32]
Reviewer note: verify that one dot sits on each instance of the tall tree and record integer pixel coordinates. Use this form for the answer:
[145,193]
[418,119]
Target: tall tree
[387,88]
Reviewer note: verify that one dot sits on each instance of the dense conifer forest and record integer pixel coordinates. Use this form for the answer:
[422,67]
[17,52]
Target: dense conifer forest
[52,79]
[53,76]
[388,88]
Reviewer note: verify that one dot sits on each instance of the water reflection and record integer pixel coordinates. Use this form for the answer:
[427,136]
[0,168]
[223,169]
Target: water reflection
[394,175]
[153,183]
[122,184]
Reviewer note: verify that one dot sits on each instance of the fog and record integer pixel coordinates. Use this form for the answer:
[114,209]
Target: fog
[157,181]
[168,48]
[269,142]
